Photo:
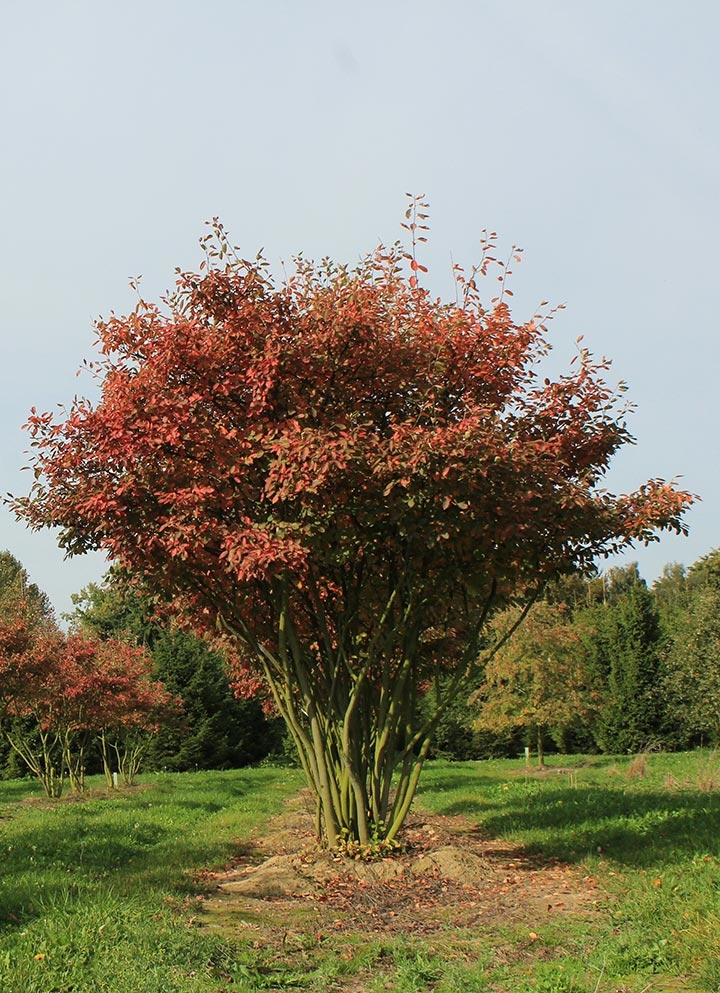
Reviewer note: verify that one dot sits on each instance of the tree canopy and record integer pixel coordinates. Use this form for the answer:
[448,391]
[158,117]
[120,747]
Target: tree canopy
[347,476]
[539,679]
[16,588]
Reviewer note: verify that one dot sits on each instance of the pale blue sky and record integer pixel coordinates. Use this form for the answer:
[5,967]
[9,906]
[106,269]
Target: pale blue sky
[587,132]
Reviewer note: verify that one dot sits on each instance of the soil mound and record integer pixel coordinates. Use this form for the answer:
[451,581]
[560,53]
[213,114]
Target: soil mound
[450,875]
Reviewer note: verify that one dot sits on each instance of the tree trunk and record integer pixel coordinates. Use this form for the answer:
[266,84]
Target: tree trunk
[351,706]
[540,748]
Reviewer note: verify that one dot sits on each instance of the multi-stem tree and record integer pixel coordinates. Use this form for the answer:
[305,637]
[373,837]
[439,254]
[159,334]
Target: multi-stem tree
[345,475]
[58,694]
[24,678]
[129,706]
[23,607]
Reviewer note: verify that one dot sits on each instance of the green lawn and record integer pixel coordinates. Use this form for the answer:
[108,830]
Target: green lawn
[651,841]
[102,895]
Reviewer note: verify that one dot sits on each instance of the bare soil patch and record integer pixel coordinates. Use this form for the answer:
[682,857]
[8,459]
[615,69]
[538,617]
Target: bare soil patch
[450,876]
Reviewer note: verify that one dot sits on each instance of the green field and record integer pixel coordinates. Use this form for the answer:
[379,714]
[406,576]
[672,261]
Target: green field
[106,893]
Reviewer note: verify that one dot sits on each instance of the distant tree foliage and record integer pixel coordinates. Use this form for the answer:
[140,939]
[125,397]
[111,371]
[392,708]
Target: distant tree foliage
[18,595]
[219,730]
[692,659]
[60,695]
[651,662]
[222,731]
[629,638]
[15,586]
[539,679]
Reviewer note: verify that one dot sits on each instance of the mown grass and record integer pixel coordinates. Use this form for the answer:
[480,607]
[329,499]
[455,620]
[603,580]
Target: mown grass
[102,895]
[651,840]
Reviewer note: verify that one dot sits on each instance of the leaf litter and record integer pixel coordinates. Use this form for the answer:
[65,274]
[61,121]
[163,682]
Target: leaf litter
[449,875]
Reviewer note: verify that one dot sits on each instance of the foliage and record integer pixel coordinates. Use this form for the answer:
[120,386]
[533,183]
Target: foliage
[706,571]
[456,735]
[348,476]
[218,729]
[539,679]
[58,692]
[132,706]
[691,651]
[15,588]
[693,668]
[221,731]
[670,588]
[113,609]
[626,633]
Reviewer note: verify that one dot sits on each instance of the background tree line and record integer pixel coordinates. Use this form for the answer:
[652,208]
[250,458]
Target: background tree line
[601,663]
[211,728]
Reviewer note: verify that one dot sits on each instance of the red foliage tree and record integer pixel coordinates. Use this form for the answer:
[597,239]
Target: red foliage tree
[57,693]
[347,476]
[129,706]
[30,693]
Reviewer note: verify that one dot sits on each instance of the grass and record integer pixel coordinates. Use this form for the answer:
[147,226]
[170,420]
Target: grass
[106,895]
[103,894]
[652,842]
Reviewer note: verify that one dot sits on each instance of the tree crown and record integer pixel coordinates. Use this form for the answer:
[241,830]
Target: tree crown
[338,428]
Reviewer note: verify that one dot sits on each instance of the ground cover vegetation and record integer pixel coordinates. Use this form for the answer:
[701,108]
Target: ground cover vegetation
[596,875]
[348,478]
[100,891]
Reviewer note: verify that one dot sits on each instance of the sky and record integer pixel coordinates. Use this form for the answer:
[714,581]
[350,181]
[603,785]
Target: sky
[585,132]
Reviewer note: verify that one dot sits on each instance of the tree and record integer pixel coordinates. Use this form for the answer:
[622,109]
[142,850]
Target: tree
[670,589]
[19,597]
[15,587]
[626,633]
[113,609]
[59,693]
[218,729]
[347,476]
[456,736]
[130,706]
[689,607]
[692,664]
[538,680]
[705,572]
[18,630]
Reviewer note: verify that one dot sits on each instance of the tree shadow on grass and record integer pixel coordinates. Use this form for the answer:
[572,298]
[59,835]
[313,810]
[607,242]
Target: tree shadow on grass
[51,864]
[137,841]
[638,829]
